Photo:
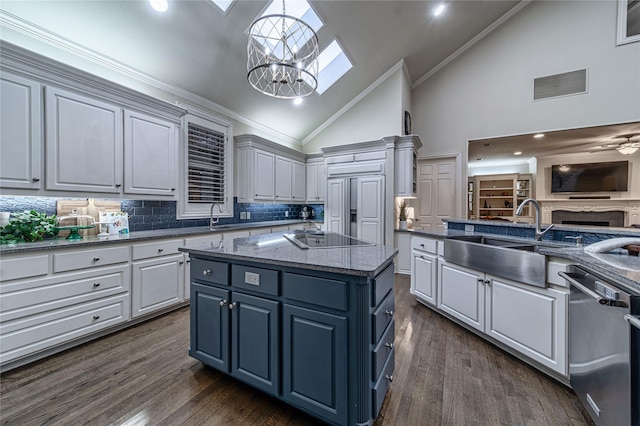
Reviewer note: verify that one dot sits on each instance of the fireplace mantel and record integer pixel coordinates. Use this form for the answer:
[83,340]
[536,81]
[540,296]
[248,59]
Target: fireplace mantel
[630,207]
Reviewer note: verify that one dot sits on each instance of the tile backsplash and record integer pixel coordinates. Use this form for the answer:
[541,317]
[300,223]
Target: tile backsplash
[147,215]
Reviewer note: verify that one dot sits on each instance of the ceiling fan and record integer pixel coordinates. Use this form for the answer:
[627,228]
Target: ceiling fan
[625,148]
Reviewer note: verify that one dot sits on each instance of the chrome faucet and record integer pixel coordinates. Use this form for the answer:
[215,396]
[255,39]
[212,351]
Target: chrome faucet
[539,232]
[214,220]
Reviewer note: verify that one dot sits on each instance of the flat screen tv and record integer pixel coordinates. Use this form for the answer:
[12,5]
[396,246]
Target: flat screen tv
[590,177]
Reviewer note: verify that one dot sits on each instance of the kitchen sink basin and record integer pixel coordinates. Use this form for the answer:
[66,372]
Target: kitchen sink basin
[507,259]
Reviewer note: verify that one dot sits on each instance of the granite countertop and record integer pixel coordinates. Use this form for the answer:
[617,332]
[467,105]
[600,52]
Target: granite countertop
[274,249]
[61,243]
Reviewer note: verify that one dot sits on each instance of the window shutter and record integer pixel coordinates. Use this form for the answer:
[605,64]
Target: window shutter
[205,165]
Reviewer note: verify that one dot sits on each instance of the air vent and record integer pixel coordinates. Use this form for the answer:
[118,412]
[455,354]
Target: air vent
[568,83]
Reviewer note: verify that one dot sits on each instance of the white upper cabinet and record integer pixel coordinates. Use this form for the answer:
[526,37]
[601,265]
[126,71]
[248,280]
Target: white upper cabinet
[406,165]
[84,143]
[150,153]
[298,179]
[283,178]
[316,181]
[263,175]
[20,132]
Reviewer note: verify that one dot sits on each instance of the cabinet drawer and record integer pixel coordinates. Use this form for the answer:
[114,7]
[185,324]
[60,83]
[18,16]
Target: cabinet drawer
[32,297]
[23,267]
[156,248]
[382,384]
[382,350]
[382,316]
[318,291]
[381,285]
[210,271]
[72,260]
[255,279]
[424,244]
[39,332]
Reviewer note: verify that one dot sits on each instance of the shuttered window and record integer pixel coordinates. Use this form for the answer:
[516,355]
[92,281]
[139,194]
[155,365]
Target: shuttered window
[207,167]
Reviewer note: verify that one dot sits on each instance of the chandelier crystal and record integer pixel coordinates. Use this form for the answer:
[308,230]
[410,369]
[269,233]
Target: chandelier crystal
[282,56]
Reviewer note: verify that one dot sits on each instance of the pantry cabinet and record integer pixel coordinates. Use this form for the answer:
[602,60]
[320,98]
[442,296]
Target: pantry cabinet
[20,133]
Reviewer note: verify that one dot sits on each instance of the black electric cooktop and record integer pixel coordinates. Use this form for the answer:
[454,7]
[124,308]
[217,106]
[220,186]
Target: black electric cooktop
[317,240]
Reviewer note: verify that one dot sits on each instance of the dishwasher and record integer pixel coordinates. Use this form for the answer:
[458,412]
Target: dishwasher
[604,347]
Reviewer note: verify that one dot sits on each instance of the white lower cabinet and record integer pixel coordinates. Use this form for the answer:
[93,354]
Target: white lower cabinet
[530,320]
[424,260]
[403,260]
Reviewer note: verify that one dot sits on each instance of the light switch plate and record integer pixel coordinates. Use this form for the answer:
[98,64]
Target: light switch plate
[468,228]
[243,215]
[248,215]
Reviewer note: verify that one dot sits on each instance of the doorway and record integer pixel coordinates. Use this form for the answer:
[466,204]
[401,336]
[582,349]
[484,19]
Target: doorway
[437,192]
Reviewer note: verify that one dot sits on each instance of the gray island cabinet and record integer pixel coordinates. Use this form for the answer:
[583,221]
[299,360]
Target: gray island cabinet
[312,327]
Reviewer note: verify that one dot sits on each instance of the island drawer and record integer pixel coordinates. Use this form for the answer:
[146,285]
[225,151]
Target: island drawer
[210,271]
[156,248]
[79,259]
[424,244]
[382,350]
[382,316]
[382,384]
[256,279]
[382,284]
[317,291]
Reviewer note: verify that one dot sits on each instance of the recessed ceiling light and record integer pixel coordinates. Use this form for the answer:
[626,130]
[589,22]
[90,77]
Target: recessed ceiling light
[297,101]
[159,5]
[538,135]
[438,10]
[517,153]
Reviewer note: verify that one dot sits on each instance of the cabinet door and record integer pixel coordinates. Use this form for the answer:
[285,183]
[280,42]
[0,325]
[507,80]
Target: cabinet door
[298,181]
[283,178]
[149,155]
[423,276]
[312,182]
[254,341]
[20,133]
[84,143]
[403,261]
[210,326]
[461,294]
[263,175]
[335,211]
[529,319]
[157,283]
[371,209]
[315,362]
[321,184]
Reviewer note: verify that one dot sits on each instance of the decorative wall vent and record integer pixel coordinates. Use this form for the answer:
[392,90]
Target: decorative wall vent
[553,86]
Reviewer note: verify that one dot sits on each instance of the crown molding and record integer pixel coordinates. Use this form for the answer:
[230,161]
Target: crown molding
[50,38]
[515,9]
[354,101]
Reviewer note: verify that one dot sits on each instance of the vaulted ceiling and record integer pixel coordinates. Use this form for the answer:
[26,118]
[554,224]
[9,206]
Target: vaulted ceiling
[196,47]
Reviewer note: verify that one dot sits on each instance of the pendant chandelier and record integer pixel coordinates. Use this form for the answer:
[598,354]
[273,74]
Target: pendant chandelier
[282,56]
[628,147]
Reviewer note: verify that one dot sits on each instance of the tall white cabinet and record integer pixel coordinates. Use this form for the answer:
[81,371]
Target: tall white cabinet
[316,180]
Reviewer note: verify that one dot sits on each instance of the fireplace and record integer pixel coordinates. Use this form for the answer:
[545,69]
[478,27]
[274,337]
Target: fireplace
[609,218]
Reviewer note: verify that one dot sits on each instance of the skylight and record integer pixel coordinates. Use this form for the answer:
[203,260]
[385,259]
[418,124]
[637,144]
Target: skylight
[332,64]
[297,8]
[224,5]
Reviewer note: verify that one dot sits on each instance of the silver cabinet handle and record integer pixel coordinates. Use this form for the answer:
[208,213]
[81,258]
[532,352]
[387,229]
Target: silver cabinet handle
[634,321]
[389,377]
[95,317]
[390,313]
[96,259]
[389,345]
[96,285]
[223,302]
[206,272]
[232,306]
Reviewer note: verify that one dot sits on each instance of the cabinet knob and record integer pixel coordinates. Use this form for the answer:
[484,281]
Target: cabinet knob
[95,317]
[389,377]
[181,262]
[206,272]
[118,185]
[96,284]
[422,245]
[389,345]
[390,313]
[481,280]
[232,306]
[96,259]
[173,189]
[35,179]
[188,260]
[223,302]
[160,250]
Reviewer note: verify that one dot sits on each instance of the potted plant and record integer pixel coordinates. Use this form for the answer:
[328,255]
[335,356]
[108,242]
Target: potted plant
[28,226]
[402,214]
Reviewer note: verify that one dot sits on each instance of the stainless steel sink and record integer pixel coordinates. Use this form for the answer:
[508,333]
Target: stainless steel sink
[507,259]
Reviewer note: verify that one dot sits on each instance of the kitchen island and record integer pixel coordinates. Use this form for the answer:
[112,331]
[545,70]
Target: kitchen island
[312,327]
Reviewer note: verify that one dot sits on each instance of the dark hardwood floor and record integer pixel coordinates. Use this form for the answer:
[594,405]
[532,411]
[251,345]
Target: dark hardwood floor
[444,375]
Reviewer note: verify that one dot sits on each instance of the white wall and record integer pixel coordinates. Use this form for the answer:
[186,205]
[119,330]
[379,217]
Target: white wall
[495,170]
[487,91]
[377,115]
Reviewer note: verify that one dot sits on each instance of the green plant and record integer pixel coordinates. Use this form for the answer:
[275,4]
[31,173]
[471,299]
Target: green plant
[402,211]
[28,226]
